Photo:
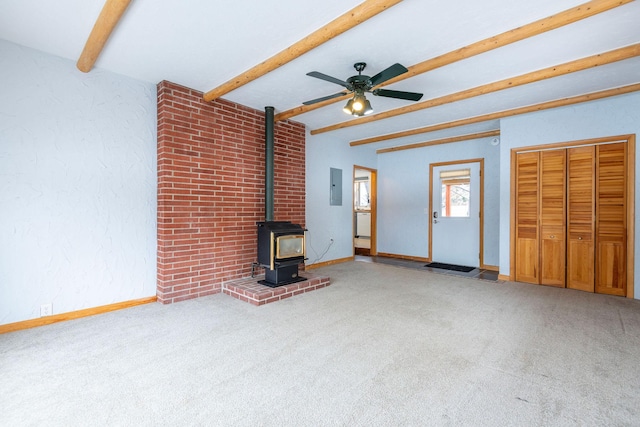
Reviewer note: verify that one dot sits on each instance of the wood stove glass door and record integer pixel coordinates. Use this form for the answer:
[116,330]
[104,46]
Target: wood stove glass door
[455,214]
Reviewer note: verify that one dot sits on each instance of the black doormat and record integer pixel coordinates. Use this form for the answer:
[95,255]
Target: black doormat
[453,267]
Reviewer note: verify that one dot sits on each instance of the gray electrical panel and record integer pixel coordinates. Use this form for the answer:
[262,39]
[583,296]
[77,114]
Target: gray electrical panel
[335,191]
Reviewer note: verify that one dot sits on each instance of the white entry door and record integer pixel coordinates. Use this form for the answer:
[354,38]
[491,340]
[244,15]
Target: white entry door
[455,215]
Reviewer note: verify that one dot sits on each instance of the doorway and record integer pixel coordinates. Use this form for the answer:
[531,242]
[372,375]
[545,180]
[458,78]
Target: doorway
[455,206]
[364,211]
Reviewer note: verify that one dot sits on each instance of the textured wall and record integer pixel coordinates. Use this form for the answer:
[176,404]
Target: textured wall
[325,221]
[77,186]
[403,184]
[618,115]
[211,189]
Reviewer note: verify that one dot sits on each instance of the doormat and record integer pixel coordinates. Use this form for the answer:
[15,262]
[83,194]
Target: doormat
[453,267]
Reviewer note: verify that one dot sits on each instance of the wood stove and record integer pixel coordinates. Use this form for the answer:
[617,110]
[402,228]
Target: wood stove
[281,247]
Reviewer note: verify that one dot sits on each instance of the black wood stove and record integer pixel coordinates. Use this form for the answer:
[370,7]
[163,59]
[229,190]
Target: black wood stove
[281,244]
[281,247]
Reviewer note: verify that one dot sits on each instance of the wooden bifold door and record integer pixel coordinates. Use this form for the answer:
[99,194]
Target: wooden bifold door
[571,217]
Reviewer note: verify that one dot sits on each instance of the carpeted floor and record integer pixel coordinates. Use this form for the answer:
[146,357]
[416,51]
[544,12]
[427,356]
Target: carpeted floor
[476,273]
[381,346]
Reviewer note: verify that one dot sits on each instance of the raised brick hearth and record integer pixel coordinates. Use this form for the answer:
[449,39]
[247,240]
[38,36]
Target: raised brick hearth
[249,290]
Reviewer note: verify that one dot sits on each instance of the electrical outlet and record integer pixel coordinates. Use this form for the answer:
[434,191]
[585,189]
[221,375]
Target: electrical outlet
[46,310]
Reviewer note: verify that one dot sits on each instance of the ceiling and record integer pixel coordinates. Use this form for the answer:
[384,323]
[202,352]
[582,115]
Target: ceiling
[202,44]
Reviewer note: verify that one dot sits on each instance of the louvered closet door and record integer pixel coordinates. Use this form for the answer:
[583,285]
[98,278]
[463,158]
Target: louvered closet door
[526,265]
[552,217]
[611,219]
[581,218]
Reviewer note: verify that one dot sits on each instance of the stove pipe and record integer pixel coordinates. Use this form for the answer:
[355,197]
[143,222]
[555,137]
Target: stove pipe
[268,169]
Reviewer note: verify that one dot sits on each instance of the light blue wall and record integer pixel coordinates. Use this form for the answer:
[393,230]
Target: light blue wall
[403,196]
[602,118]
[326,222]
[403,178]
[77,186]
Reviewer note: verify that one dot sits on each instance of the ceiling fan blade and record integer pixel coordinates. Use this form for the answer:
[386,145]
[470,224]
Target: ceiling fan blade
[388,74]
[324,98]
[321,76]
[411,96]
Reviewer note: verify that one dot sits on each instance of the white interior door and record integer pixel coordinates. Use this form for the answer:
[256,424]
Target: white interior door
[455,216]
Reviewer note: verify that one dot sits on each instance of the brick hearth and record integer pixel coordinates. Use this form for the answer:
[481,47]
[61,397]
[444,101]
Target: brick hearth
[249,290]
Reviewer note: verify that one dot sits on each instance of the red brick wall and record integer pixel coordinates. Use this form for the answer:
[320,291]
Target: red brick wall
[211,189]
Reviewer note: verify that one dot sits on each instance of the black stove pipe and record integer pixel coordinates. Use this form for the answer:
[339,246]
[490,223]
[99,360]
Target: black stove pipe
[269,124]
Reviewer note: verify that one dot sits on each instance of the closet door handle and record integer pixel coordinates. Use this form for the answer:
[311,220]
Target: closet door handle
[580,238]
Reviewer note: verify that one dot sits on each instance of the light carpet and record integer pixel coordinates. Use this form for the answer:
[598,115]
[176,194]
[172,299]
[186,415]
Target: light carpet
[381,346]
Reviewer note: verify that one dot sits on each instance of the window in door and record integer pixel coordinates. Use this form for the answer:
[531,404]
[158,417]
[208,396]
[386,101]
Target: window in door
[361,194]
[456,189]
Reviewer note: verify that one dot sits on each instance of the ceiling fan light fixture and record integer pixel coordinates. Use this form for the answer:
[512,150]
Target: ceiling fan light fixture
[358,106]
[359,103]
[349,107]
[367,108]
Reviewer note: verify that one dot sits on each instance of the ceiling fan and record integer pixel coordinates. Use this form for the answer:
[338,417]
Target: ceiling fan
[358,85]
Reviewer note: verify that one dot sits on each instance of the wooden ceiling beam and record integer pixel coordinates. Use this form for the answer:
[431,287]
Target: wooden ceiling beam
[301,109]
[540,26]
[489,133]
[352,18]
[549,23]
[109,17]
[502,114]
[532,77]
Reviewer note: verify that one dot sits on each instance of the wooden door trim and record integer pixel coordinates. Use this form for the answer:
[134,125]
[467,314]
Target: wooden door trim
[480,161]
[631,217]
[630,140]
[512,216]
[373,250]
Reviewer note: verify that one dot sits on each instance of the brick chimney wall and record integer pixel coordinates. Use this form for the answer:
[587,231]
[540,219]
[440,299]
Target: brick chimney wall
[211,189]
